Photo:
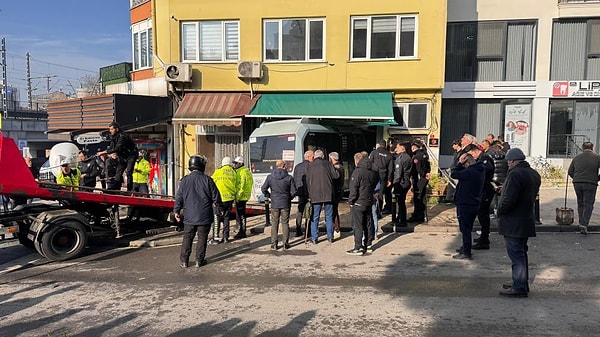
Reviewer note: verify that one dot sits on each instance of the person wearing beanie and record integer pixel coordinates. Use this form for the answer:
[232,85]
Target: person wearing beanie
[244,182]
[584,171]
[517,219]
[224,177]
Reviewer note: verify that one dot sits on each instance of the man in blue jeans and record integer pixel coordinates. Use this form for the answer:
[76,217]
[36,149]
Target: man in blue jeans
[517,219]
[320,174]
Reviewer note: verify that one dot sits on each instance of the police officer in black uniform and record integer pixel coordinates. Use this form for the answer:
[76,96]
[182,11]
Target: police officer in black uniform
[383,163]
[421,172]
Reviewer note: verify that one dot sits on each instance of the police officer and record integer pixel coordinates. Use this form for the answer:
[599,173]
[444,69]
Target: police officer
[383,163]
[244,183]
[420,175]
[196,202]
[225,179]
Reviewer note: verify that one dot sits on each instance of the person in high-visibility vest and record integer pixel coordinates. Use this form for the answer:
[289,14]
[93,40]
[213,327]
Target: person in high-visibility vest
[141,175]
[244,182]
[68,176]
[224,177]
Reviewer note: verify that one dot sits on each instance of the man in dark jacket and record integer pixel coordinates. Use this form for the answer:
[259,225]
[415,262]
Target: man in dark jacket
[420,175]
[383,164]
[338,188]
[302,191]
[196,202]
[280,187]
[89,170]
[517,218]
[402,172]
[487,195]
[584,170]
[122,144]
[362,188]
[471,176]
[320,175]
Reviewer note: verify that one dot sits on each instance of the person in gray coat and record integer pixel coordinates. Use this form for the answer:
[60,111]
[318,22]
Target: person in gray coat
[517,218]
[281,188]
[584,170]
[319,179]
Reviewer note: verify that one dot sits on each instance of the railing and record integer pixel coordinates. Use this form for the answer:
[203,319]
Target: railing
[576,1]
[566,145]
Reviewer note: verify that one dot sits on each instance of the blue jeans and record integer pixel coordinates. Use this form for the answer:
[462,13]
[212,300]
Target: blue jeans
[374,209]
[314,226]
[517,252]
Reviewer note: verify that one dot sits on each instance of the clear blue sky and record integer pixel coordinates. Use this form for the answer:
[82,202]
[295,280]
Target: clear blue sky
[61,35]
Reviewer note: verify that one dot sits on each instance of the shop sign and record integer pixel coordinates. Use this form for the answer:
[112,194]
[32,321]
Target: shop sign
[576,89]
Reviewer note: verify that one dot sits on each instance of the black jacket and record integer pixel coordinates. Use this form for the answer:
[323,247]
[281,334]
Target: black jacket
[300,178]
[122,144]
[516,204]
[90,168]
[488,168]
[383,163]
[470,184]
[500,166]
[338,183]
[421,165]
[362,184]
[282,186]
[197,196]
[402,170]
[319,180]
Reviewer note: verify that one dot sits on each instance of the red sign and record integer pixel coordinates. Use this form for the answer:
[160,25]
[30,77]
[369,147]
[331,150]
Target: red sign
[560,89]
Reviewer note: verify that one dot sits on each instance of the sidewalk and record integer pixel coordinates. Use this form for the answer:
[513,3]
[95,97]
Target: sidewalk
[442,219]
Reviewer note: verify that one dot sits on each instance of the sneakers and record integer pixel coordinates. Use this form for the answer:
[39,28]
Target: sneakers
[183,264]
[459,250]
[508,285]
[462,256]
[286,246]
[274,246]
[239,236]
[583,229]
[214,241]
[510,292]
[330,240]
[369,249]
[356,252]
[200,263]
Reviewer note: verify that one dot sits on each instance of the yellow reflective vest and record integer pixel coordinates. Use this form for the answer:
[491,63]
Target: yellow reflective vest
[244,182]
[141,171]
[71,179]
[224,177]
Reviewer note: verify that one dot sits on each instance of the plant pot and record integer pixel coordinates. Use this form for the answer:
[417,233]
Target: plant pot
[564,215]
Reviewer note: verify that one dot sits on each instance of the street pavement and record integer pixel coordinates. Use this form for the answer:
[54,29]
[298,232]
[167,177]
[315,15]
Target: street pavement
[408,286]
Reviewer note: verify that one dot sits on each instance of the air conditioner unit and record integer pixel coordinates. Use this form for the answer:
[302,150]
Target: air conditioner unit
[178,72]
[249,69]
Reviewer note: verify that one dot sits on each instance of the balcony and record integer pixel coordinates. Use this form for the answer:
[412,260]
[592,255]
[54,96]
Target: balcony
[135,3]
[578,8]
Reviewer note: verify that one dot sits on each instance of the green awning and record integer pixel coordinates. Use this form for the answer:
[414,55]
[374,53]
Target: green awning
[364,105]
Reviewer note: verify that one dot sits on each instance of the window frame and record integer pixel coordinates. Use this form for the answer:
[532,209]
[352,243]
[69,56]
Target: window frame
[307,22]
[398,32]
[197,39]
[406,115]
[136,46]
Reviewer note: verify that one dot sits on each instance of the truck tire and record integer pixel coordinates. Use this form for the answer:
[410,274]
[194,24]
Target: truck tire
[64,240]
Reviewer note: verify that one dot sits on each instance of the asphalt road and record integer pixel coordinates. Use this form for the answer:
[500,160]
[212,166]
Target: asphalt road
[409,286]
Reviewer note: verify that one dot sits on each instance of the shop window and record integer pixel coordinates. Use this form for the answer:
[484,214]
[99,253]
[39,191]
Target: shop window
[571,123]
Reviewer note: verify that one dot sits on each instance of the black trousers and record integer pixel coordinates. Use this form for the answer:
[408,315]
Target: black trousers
[240,215]
[302,202]
[363,233]
[225,219]
[484,214]
[400,193]
[189,231]
[126,166]
[419,200]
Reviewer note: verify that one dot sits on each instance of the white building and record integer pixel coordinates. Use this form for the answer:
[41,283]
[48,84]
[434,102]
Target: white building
[525,69]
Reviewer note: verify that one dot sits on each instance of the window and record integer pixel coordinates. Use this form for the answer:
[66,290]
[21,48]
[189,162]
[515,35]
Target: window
[294,40]
[490,51]
[571,123]
[575,50]
[411,115]
[210,41]
[384,37]
[141,42]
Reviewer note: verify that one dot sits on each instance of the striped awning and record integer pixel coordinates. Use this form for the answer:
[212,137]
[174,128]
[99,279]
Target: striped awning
[221,109]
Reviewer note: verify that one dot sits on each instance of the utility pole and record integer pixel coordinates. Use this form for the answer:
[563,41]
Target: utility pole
[29,103]
[4,83]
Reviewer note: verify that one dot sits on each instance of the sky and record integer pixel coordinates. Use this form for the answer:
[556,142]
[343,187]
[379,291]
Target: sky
[66,40]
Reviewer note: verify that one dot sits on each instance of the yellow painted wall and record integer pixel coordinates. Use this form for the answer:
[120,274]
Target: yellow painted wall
[336,74]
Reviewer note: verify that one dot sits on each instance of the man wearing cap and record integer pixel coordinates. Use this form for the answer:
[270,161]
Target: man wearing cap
[68,176]
[197,202]
[224,178]
[121,144]
[244,182]
[517,218]
[420,174]
[584,171]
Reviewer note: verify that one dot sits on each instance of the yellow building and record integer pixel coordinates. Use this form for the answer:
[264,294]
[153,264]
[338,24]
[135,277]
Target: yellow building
[229,61]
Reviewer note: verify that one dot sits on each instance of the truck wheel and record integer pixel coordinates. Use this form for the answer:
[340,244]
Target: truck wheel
[65,240]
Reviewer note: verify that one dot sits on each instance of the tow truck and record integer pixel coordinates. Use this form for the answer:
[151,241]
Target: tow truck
[59,230]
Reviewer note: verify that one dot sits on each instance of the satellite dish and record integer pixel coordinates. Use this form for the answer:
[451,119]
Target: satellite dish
[60,153]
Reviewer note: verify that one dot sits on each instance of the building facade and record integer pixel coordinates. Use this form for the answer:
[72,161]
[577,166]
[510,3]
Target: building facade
[225,62]
[532,75]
